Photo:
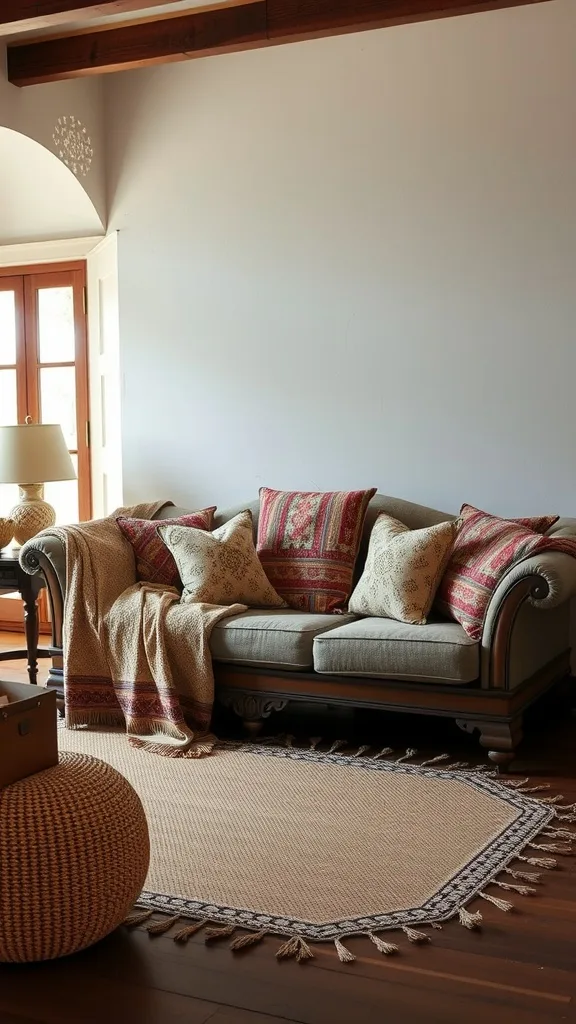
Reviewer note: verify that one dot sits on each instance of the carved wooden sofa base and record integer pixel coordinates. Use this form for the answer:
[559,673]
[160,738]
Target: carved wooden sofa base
[496,715]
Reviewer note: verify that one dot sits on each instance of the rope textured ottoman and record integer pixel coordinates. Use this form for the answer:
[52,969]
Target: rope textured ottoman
[74,855]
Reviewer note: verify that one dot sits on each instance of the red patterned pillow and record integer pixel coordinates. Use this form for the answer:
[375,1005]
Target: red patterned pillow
[484,549]
[308,543]
[154,563]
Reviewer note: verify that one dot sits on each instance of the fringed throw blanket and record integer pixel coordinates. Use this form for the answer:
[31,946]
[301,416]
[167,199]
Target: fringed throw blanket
[134,653]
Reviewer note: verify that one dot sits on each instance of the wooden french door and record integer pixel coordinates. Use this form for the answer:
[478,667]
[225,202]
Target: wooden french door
[44,374]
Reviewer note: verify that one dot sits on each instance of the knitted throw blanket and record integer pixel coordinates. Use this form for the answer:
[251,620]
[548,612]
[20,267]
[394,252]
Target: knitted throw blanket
[134,653]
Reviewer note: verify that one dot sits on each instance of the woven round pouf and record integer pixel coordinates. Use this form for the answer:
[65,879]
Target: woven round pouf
[74,854]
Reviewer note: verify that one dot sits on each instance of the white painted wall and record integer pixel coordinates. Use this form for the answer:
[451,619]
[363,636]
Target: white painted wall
[350,262]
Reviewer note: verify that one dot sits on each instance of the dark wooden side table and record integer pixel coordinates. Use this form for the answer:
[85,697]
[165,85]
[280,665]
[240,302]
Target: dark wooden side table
[12,578]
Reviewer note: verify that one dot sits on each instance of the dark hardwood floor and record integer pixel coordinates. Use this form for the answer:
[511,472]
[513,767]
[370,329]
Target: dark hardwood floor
[521,969]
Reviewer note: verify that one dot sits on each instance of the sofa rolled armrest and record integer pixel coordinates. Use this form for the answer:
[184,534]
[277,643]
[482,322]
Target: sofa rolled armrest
[545,581]
[46,554]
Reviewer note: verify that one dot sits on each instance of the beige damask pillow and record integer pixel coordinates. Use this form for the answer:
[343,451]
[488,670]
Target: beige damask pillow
[403,570]
[220,567]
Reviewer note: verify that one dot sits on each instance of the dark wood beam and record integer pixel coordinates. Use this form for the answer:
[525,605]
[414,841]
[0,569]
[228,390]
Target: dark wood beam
[23,15]
[222,30]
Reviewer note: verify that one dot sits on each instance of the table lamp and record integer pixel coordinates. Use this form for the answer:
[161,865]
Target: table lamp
[33,451]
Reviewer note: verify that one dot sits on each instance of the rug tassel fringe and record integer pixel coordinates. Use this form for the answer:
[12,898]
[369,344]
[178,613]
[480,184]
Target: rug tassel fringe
[457,764]
[517,783]
[295,948]
[216,934]
[527,876]
[550,848]
[410,753]
[560,833]
[540,862]
[524,890]
[501,904]
[183,934]
[247,941]
[344,954]
[384,752]
[159,927]
[133,920]
[362,750]
[414,935]
[314,741]
[436,925]
[434,760]
[471,921]
[337,745]
[533,789]
[550,799]
[288,740]
[387,948]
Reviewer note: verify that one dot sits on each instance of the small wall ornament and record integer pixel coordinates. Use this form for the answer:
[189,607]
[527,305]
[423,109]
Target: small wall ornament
[73,144]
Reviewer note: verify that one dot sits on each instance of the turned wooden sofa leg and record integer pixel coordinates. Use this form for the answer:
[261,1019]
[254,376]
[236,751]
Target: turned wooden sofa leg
[499,738]
[252,709]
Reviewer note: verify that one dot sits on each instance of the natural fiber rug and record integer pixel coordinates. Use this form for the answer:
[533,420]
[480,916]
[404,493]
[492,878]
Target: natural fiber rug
[319,846]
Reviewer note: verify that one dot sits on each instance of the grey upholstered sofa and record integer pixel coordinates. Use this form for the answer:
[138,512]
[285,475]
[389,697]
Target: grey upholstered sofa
[263,659]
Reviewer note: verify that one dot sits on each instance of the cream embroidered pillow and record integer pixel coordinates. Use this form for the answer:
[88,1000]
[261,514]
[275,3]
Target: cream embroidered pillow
[220,567]
[403,570]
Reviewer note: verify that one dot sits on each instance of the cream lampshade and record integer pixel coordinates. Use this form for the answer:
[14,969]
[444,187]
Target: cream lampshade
[33,451]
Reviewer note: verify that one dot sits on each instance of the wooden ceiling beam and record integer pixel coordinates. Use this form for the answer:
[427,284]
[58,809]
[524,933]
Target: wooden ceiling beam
[26,15]
[222,30]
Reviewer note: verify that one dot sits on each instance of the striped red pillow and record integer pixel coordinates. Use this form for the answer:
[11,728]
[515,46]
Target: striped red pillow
[484,549]
[154,563]
[308,542]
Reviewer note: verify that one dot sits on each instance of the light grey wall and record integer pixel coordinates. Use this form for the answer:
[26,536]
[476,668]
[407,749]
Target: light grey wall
[350,262]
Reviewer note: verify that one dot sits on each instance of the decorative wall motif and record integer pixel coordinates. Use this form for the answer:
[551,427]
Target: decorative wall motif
[73,144]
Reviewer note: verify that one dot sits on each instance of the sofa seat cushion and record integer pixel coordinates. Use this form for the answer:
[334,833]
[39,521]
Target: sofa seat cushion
[438,652]
[271,639]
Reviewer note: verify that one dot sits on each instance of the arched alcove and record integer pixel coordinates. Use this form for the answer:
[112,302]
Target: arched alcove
[40,198]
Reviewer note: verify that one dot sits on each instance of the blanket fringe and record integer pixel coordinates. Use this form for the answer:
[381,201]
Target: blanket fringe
[383,753]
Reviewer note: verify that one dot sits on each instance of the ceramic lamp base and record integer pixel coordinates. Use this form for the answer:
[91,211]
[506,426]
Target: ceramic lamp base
[32,514]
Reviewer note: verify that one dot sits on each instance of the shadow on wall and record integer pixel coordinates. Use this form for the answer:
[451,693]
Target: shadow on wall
[40,198]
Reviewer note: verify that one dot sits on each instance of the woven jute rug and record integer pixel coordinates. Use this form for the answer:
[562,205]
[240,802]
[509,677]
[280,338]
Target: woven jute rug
[312,846]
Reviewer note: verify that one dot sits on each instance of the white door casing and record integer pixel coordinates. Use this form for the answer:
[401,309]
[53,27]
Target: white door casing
[104,377]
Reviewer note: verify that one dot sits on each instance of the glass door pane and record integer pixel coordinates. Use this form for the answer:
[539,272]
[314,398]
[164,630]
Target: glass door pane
[58,400]
[56,336]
